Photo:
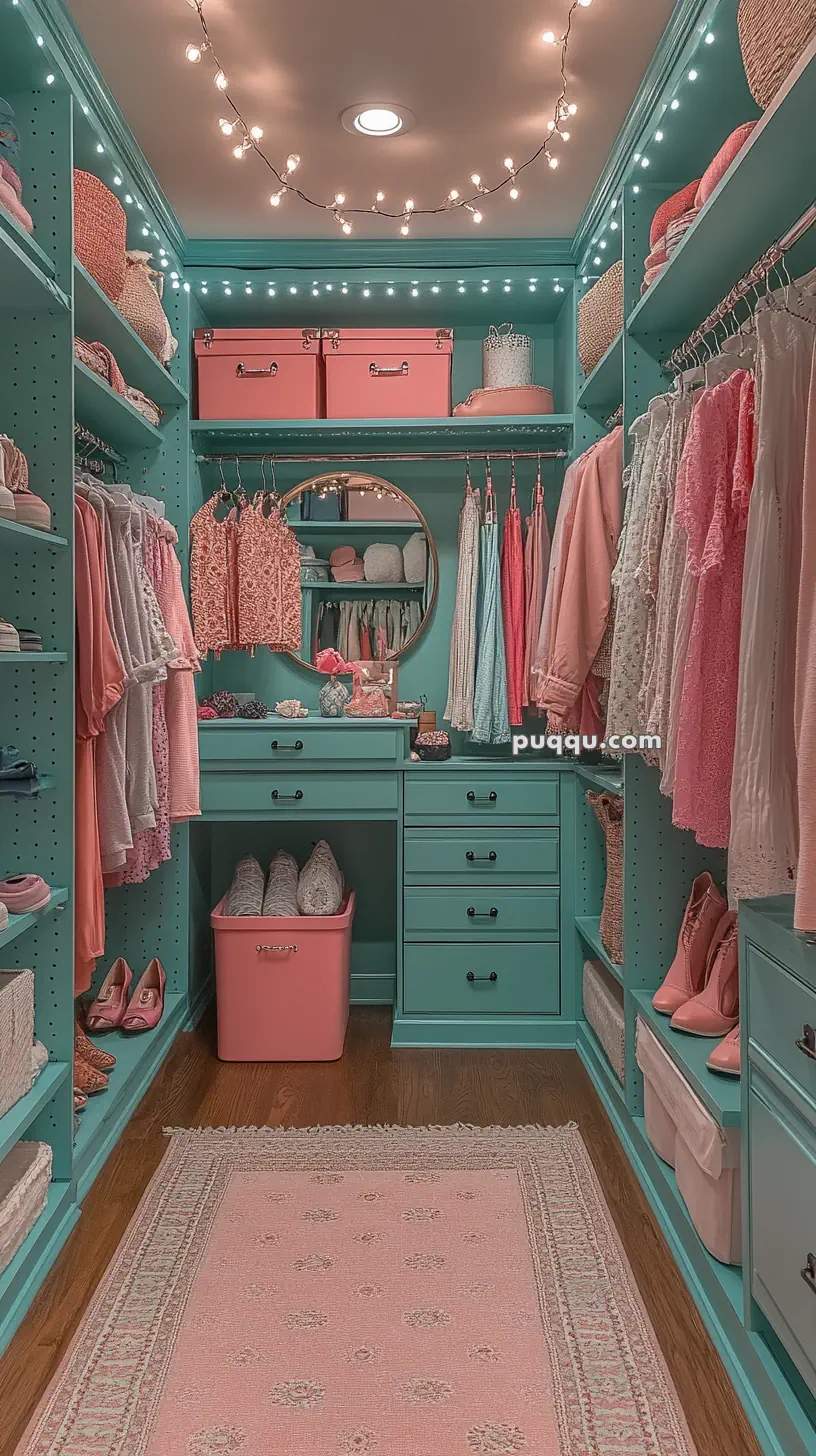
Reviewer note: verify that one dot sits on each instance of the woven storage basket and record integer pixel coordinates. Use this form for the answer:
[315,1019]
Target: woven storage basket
[100,232]
[25,1174]
[16,1036]
[600,317]
[608,810]
[603,1009]
[507,358]
[773,34]
[139,300]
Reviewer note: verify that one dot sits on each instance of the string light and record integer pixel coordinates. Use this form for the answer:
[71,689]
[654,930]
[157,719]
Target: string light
[252,136]
[692,75]
[675,104]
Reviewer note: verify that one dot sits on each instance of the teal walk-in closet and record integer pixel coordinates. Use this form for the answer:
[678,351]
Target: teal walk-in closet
[400,830]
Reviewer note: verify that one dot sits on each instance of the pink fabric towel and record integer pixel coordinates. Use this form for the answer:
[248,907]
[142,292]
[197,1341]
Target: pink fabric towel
[9,175]
[716,170]
[11,204]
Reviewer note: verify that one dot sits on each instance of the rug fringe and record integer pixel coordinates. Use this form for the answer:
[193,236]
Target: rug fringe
[381,1128]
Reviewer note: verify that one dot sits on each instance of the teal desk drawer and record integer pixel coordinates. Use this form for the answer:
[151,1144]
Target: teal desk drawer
[486,913]
[249,795]
[481,856]
[487,796]
[783,1233]
[282,743]
[527,980]
[780,1009]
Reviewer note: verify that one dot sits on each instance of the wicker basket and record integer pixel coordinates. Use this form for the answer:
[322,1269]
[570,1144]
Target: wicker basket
[773,35]
[608,810]
[603,1009]
[600,317]
[100,232]
[25,1174]
[16,1036]
[139,300]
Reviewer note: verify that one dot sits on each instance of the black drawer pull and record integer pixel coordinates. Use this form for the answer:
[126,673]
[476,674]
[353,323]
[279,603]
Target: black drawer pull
[276,794]
[475,914]
[486,798]
[492,977]
[472,858]
[295,747]
[807,1043]
[809,1272]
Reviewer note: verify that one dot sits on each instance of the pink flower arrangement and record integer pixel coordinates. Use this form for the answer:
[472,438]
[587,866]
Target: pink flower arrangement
[330,661]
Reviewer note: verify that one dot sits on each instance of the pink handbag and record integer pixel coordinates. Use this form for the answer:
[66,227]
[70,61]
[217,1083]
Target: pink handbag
[530,399]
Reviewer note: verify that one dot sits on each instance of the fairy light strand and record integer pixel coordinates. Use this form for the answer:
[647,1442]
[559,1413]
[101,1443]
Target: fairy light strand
[249,138]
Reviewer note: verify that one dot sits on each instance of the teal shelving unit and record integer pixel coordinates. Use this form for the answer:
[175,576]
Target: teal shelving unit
[110,415]
[602,390]
[369,436]
[589,929]
[98,320]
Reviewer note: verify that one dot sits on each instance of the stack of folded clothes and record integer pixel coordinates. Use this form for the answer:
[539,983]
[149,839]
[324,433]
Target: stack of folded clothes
[346,565]
[29,641]
[18,776]
[23,639]
[11,187]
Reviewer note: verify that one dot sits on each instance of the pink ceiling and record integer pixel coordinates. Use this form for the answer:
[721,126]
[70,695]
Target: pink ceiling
[475,73]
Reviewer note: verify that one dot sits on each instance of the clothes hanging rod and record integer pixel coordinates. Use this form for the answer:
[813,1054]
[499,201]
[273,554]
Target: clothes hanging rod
[267,458]
[750,280]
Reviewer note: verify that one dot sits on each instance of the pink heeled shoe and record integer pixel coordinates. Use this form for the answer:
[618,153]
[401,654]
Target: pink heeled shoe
[726,1055]
[147,1002]
[108,1009]
[715,1011]
[686,976]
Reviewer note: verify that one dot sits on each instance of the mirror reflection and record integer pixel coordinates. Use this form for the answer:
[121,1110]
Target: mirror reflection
[368,567]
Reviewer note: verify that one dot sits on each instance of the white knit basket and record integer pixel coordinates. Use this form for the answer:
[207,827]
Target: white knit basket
[25,1174]
[507,359]
[16,1036]
[603,1009]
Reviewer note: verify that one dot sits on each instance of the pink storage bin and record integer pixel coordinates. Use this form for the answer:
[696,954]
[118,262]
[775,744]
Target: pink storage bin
[282,985]
[383,374]
[705,1157]
[259,374]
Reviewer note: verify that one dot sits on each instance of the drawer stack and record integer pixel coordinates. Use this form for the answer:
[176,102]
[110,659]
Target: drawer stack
[481,899]
[779,1007]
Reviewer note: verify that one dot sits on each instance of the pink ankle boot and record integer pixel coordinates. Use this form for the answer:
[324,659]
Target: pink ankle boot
[716,1010]
[686,976]
[726,1055]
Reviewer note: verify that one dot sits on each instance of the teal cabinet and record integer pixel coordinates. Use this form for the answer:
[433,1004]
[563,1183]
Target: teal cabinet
[485,913]
[481,856]
[245,794]
[505,795]
[482,980]
[782,1009]
[283,743]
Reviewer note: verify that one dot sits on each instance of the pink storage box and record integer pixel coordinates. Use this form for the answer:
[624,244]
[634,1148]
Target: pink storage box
[259,374]
[383,374]
[705,1157]
[282,985]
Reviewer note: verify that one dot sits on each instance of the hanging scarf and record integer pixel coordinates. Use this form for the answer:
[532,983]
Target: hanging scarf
[462,669]
[513,601]
[490,720]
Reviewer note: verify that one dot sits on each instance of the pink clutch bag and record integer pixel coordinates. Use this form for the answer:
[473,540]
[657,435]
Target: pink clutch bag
[527,399]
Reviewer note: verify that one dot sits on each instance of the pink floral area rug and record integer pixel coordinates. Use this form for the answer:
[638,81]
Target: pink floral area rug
[366,1292]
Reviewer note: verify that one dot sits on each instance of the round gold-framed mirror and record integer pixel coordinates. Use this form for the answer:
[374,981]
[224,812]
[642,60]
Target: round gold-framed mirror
[371,512]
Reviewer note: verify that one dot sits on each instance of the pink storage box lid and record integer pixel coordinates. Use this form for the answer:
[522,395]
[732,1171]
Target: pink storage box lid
[344,916]
[714,1148]
[214,342]
[392,341]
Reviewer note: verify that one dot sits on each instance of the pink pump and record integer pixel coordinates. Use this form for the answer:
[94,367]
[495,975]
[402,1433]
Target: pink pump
[147,1002]
[715,1010]
[108,1009]
[726,1055]
[686,976]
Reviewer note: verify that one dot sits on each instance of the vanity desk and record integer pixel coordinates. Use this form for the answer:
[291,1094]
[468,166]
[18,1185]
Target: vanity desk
[467,857]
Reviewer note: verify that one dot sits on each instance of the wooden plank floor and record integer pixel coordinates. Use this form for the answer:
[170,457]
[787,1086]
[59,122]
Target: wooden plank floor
[372,1084]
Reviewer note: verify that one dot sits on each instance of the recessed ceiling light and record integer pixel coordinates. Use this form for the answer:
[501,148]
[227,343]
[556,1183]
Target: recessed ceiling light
[377,119]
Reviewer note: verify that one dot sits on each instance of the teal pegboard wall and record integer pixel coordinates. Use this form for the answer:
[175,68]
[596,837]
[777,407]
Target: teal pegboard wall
[36,590]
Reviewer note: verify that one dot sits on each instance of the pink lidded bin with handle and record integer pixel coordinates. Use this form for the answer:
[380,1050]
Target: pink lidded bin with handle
[282,985]
[382,374]
[259,374]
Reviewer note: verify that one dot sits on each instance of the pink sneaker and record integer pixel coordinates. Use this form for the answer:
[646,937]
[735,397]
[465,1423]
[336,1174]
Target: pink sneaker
[686,976]
[22,893]
[726,1055]
[716,1010]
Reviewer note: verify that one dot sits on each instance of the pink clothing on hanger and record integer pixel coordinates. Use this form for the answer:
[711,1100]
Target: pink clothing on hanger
[540,653]
[570,694]
[712,505]
[805,718]
[536,567]
[100,684]
[179,696]
[513,595]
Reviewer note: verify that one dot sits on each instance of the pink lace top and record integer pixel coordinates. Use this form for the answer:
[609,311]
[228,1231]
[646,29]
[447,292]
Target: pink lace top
[711,504]
[245,579]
